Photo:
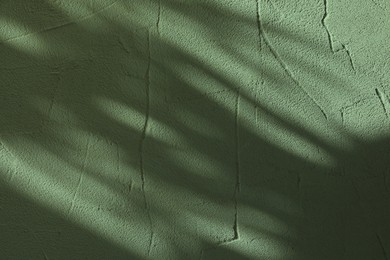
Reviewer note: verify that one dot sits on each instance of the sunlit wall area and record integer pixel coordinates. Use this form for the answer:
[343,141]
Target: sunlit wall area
[194,129]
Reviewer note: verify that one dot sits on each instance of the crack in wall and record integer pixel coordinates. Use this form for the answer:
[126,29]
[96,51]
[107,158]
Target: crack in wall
[344,47]
[263,35]
[142,142]
[384,101]
[342,117]
[224,242]
[158,17]
[355,104]
[330,37]
[259,26]
[238,174]
[237,187]
[150,242]
[324,24]
[349,56]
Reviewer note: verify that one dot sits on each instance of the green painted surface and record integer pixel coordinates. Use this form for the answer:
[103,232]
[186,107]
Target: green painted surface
[183,129]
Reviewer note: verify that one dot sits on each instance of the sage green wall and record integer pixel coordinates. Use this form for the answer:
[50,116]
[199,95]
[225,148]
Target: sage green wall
[187,129]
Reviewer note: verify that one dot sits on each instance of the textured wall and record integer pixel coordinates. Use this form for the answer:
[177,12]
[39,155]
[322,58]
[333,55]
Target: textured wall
[187,129]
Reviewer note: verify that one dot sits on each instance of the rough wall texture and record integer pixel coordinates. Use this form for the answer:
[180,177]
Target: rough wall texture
[187,129]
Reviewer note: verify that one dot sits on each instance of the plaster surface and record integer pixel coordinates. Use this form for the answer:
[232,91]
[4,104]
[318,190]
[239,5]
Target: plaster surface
[194,129]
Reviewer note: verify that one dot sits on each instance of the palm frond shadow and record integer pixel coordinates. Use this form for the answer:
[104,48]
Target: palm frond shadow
[82,104]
